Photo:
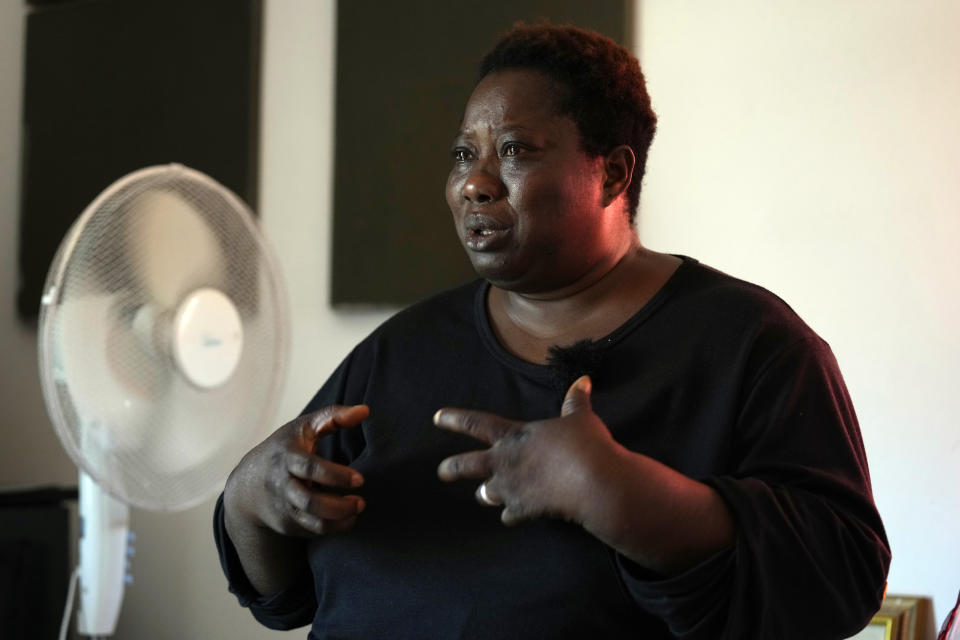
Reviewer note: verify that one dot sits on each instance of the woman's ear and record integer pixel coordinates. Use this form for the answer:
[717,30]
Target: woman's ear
[618,172]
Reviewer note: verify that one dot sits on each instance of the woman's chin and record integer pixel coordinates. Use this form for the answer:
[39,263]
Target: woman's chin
[495,270]
[516,280]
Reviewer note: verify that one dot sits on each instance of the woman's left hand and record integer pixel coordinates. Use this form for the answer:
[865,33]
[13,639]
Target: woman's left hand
[543,468]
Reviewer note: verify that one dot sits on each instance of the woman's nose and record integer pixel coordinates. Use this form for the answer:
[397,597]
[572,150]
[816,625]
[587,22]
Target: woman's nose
[482,186]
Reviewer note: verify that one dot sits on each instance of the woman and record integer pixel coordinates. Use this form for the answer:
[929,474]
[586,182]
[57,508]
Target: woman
[672,451]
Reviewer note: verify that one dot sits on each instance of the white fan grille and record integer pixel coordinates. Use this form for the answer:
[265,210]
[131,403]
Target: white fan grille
[124,412]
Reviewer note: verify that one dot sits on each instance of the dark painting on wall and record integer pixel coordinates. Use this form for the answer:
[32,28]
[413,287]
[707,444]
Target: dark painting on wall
[112,86]
[404,73]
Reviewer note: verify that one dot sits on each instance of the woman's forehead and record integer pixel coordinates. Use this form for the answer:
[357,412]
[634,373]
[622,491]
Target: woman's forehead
[512,97]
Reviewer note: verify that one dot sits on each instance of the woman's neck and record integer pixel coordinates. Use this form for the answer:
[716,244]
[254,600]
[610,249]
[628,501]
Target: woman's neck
[527,325]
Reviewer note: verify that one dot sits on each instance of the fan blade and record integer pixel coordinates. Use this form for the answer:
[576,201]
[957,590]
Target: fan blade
[113,377]
[171,248]
[194,426]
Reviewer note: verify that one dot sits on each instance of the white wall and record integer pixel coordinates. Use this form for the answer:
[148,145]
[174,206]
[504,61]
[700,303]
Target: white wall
[814,147]
[808,146]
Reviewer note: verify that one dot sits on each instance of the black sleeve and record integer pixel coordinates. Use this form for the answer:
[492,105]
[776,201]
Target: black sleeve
[291,608]
[811,556]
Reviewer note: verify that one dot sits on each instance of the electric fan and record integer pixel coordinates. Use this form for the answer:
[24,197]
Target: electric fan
[162,345]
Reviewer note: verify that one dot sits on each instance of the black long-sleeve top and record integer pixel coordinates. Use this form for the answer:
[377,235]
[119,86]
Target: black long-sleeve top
[714,377]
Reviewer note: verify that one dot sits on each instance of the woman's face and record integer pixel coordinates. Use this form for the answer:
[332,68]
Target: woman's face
[527,202]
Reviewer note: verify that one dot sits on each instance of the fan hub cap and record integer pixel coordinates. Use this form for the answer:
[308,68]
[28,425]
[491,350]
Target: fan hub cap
[207,338]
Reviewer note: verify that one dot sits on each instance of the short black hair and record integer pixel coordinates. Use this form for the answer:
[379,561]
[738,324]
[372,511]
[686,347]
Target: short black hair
[606,92]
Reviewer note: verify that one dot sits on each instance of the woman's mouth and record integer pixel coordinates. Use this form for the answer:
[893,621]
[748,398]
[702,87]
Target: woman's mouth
[484,233]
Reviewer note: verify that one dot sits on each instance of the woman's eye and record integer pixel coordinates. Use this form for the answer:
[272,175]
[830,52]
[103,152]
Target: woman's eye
[511,149]
[460,154]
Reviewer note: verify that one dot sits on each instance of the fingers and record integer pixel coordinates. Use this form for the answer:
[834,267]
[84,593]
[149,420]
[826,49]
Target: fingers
[325,506]
[312,468]
[472,465]
[514,512]
[321,513]
[320,526]
[336,417]
[486,497]
[511,516]
[528,468]
[578,396]
[486,427]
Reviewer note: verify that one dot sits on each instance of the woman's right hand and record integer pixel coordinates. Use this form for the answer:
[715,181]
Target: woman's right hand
[282,485]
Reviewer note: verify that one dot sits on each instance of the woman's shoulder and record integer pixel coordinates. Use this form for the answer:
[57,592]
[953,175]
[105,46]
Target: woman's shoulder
[412,337]
[706,280]
[448,311]
[732,303]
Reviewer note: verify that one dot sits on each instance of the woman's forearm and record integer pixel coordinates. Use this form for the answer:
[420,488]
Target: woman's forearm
[270,560]
[657,517]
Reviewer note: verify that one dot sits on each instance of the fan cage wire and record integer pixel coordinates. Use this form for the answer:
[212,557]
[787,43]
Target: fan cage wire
[182,490]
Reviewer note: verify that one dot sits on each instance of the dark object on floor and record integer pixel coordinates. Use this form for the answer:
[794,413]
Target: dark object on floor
[34,562]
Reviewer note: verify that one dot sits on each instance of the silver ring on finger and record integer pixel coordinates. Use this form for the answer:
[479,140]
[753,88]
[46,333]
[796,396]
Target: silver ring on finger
[485,497]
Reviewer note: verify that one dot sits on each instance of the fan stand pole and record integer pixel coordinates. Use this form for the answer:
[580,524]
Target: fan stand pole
[104,527]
